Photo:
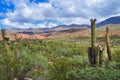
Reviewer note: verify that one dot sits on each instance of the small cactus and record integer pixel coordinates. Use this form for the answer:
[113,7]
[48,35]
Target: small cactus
[15,51]
[101,49]
[17,38]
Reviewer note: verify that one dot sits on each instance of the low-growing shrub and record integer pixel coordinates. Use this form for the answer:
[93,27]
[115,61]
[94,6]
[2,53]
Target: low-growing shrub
[99,74]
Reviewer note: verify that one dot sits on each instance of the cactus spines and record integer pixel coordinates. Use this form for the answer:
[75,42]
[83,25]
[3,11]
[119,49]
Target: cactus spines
[108,44]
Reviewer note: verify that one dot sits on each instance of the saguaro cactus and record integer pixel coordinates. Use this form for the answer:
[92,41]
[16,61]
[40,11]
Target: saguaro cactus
[108,44]
[93,32]
[6,41]
[3,33]
[7,54]
[93,50]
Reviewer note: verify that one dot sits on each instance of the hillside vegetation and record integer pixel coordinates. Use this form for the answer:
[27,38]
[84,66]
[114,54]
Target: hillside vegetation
[53,59]
[111,26]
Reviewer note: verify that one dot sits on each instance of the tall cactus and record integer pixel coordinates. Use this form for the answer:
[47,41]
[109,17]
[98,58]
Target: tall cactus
[7,53]
[93,32]
[3,33]
[6,41]
[93,50]
[108,44]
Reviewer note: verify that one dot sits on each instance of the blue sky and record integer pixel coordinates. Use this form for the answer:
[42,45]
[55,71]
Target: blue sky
[50,13]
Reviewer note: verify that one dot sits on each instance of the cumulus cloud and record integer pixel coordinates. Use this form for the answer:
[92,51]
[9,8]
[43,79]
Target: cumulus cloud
[25,25]
[56,12]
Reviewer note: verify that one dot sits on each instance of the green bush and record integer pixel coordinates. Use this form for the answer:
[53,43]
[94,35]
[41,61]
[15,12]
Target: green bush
[117,54]
[114,65]
[64,68]
[26,66]
[99,74]
[54,60]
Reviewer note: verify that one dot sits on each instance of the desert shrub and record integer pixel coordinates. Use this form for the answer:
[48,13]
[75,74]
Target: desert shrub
[99,74]
[117,54]
[66,49]
[58,69]
[113,65]
[31,63]
[63,68]
[55,60]
[28,65]
[78,62]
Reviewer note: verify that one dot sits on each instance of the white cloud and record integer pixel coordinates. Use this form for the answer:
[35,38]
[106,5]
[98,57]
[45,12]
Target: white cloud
[62,11]
[32,12]
[9,24]
[50,25]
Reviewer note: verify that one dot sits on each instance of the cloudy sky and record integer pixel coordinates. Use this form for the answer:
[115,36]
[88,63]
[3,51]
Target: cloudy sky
[50,13]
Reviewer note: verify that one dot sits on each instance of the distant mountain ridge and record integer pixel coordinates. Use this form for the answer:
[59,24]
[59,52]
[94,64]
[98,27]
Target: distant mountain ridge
[68,28]
[48,30]
[111,20]
[73,26]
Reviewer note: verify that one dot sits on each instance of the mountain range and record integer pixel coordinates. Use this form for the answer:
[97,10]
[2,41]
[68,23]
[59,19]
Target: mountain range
[69,31]
[112,21]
